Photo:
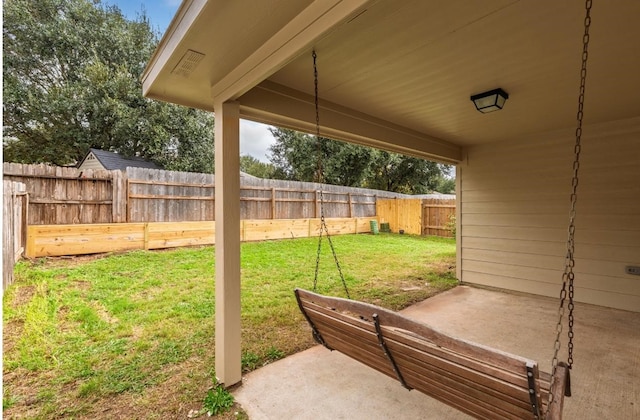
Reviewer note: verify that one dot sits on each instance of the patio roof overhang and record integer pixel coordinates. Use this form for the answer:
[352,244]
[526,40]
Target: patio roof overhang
[398,75]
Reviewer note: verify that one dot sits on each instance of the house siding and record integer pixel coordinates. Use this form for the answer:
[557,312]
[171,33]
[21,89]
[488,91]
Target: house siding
[91,162]
[514,212]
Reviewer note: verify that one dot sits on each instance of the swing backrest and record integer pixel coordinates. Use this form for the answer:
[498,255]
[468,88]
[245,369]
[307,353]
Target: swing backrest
[478,380]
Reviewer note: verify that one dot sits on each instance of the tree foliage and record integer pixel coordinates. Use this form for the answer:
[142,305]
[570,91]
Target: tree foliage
[296,156]
[71,80]
[404,174]
[253,166]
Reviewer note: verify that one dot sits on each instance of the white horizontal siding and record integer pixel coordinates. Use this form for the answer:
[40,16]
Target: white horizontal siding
[600,205]
[514,205]
[91,162]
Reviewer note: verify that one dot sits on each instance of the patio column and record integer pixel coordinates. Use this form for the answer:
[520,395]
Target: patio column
[227,208]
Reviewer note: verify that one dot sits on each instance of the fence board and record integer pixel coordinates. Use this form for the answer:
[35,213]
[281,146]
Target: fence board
[420,216]
[437,216]
[78,239]
[177,234]
[119,198]
[401,214]
[64,195]
[14,235]
[58,240]
[255,230]
[169,196]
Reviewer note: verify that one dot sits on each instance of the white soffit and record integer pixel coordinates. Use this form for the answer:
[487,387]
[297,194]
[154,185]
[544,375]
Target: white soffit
[414,64]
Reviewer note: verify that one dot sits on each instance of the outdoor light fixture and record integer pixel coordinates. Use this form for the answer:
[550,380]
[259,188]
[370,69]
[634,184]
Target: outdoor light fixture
[490,101]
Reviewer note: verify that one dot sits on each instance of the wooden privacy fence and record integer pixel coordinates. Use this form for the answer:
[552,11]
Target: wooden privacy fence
[14,233]
[57,240]
[149,209]
[70,196]
[438,217]
[426,216]
[59,195]
[185,201]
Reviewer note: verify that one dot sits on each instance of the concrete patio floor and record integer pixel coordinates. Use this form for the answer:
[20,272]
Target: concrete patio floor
[320,384]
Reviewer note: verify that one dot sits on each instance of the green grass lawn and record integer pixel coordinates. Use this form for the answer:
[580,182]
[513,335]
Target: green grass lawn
[132,335]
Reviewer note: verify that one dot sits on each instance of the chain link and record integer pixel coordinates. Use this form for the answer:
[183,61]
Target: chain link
[568,275]
[320,171]
[320,179]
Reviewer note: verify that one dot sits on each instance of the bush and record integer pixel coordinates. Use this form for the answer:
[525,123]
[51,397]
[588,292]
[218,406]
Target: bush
[451,225]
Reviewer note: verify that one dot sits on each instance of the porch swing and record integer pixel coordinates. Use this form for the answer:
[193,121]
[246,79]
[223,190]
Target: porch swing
[475,379]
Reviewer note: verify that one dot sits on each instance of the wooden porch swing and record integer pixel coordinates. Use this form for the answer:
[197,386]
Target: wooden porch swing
[478,380]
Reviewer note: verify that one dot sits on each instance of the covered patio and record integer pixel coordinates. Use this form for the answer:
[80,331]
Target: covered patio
[399,75]
[320,384]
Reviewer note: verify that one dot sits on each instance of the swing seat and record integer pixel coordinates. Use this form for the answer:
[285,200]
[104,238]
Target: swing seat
[475,379]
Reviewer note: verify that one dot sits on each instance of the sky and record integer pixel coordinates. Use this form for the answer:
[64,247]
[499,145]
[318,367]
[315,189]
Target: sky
[255,138]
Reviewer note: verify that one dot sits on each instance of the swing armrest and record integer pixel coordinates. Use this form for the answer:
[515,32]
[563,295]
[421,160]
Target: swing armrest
[561,389]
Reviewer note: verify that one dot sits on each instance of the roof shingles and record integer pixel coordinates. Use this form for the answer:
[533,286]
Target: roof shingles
[113,161]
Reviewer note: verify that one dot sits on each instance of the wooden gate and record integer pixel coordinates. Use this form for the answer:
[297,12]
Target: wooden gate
[438,217]
[419,216]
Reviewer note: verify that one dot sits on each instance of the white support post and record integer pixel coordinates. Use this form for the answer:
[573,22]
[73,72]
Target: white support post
[227,210]
[459,221]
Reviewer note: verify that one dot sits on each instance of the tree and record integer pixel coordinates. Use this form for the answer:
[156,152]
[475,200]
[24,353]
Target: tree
[71,80]
[403,174]
[447,181]
[292,155]
[253,166]
[295,156]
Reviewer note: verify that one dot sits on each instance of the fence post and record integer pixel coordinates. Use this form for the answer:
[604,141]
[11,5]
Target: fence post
[30,249]
[128,200]
[7,236]
[273,203]
[119,197]
[424,218]
[25,221]
[397,203]
[19,201]
[146,236]
[14,226]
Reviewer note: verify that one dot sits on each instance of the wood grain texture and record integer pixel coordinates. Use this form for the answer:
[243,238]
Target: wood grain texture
[418,216]
[478,380]
[70,196]
[78,239]
[14,223]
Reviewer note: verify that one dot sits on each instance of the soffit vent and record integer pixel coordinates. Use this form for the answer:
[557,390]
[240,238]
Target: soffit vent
[188,63]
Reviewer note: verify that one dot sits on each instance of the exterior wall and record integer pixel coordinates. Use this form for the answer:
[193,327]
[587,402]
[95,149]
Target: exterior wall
[514,206]
[91,162]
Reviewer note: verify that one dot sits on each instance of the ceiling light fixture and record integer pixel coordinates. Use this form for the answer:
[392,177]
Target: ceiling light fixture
[490,101]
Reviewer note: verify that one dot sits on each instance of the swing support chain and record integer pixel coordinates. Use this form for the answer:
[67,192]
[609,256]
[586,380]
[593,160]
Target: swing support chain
[568,275]
[320,179]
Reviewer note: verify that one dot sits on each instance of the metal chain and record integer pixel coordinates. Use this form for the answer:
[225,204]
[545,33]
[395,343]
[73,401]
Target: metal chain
[320,174]
[323,224]
[568,275]
[320,179]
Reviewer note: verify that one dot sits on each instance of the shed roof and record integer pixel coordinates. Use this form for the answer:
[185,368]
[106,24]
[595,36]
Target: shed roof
[114,161]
